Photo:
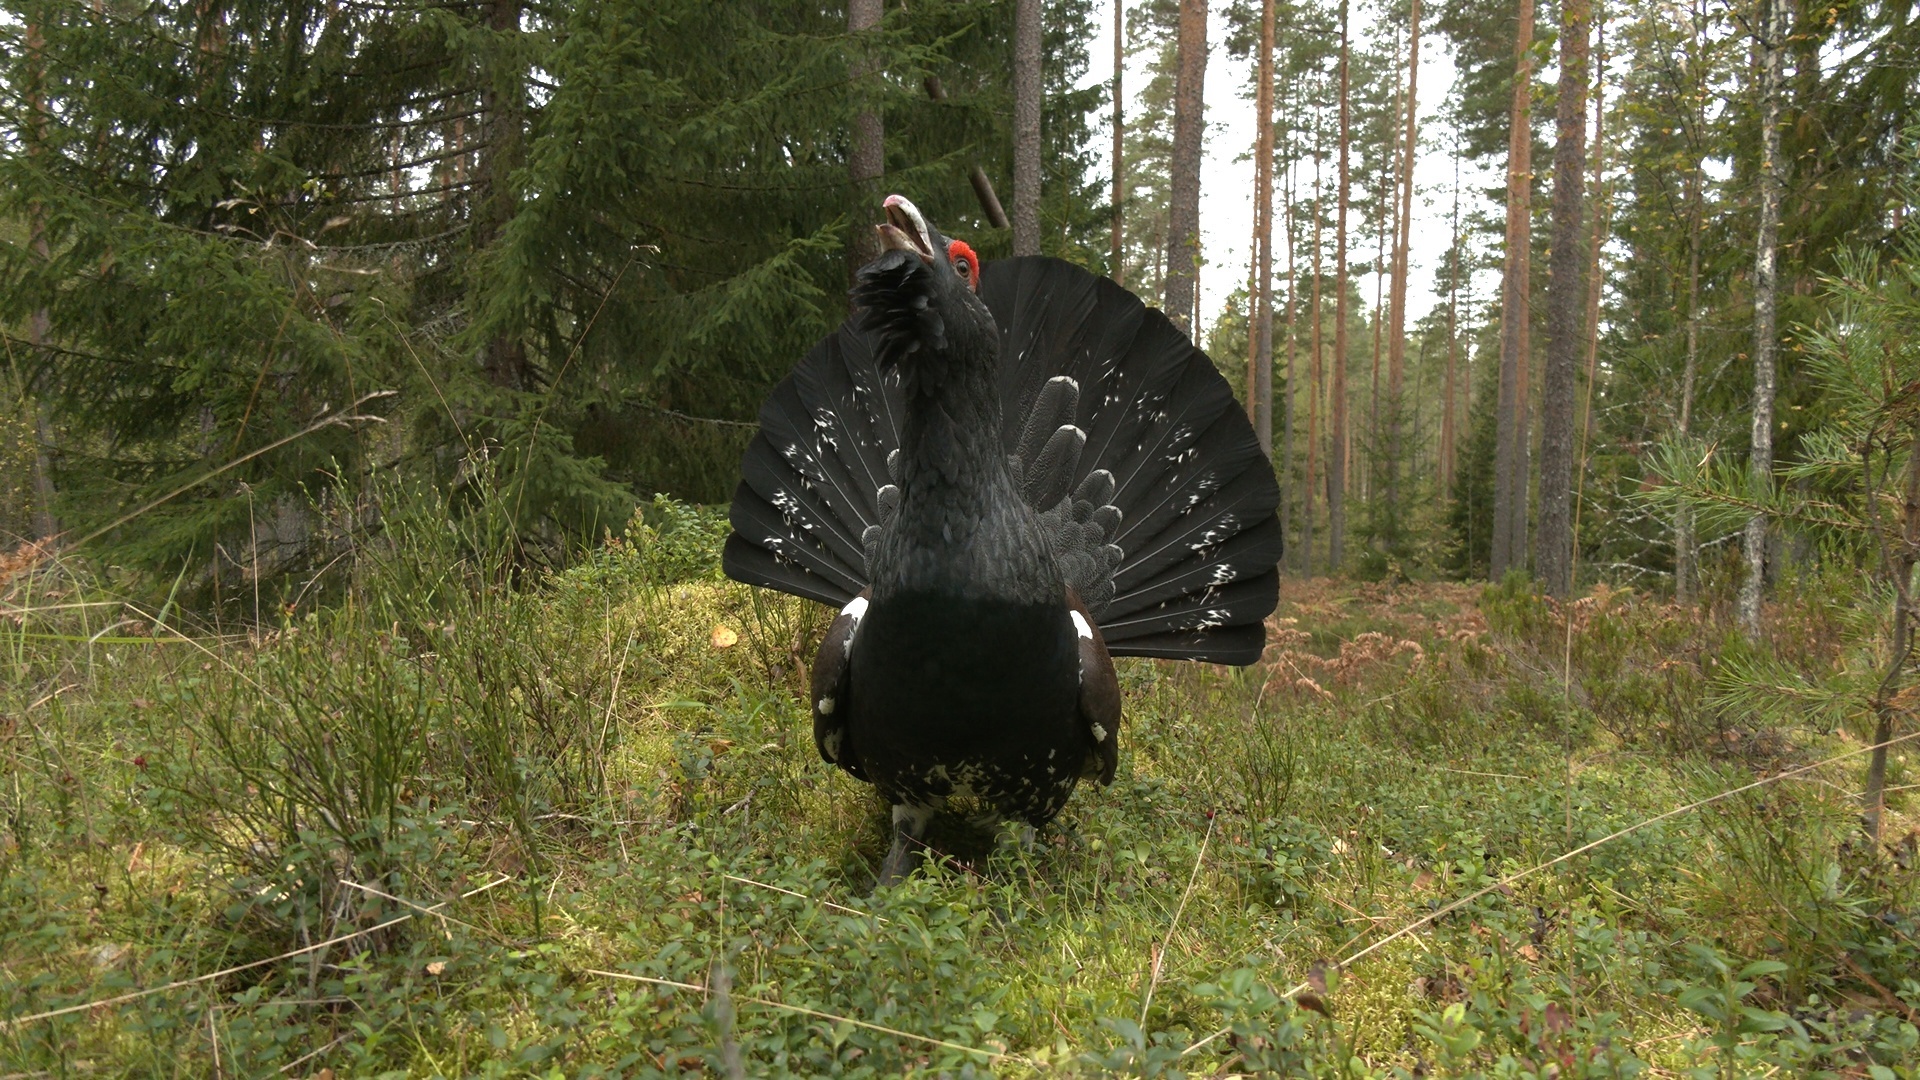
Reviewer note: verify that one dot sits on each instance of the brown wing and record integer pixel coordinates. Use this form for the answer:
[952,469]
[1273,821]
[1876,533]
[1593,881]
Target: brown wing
[1099,694]
[833,687]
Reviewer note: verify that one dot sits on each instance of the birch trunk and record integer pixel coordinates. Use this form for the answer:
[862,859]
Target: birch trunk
[1309,491]
[1765,297]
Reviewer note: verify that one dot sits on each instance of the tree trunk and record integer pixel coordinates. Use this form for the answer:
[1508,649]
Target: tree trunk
[1117,261]
[866,161]
[504,102]
[1510,453]
[1337,463]
[1286,421]
[45,524]
[1183,210]
[1263,213]
[1566,305]
[1308,495]
[1886,712]
[1768,31]
[1026,127]
[1597,242]
[1452,391]
[1397,330]
[1685,558]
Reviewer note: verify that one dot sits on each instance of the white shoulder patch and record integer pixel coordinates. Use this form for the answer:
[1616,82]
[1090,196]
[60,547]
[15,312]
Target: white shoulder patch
[1080,625]
[855,610]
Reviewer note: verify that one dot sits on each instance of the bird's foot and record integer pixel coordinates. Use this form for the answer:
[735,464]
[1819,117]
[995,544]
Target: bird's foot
[910,822]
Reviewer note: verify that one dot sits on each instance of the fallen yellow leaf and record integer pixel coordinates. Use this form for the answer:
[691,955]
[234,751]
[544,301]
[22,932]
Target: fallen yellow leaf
[723,637]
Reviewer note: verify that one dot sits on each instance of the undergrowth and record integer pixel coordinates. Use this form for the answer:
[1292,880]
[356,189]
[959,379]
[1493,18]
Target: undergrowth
[457,822]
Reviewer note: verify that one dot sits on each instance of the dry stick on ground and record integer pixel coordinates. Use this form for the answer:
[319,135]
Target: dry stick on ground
[1159,954]
[823,903]
[991,1055]
[18,1022]
[1509,880]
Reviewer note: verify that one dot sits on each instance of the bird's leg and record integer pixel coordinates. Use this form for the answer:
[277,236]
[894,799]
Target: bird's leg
[909,825]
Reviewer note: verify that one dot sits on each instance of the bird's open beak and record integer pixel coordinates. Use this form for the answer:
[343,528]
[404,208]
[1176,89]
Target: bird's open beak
[905,229]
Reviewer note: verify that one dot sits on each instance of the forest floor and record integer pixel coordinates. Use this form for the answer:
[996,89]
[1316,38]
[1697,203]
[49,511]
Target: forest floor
[579,828]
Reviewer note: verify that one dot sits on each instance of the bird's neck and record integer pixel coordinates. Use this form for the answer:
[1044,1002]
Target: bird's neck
[950,442]
[962,527]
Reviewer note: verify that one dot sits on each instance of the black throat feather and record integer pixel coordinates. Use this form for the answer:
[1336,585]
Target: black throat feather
[962,527]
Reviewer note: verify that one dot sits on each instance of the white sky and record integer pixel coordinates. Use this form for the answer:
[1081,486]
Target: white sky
[1226,184]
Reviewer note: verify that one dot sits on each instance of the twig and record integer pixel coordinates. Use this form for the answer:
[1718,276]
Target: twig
[823,903]
[18,1022]
[1495,775]
[325,421]
[311,1054]
[1581,850]
[991,1055]
[1160,954]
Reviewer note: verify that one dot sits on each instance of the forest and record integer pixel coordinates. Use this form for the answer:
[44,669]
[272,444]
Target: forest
[382,692]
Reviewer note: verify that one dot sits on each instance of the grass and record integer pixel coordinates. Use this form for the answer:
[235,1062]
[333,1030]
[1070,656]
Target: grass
[440,827]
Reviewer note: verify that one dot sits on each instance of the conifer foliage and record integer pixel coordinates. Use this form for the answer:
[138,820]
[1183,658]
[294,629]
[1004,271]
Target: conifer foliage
[565,248]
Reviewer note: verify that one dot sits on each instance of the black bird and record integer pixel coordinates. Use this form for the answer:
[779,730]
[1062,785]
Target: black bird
[988,570]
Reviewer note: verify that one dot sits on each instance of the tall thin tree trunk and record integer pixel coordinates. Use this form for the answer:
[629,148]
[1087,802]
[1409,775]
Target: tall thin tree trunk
[1595,245]
[1685,557]
[1286,421]
[1366,476]
[1253,310]
[1452,391]
[1263,213]
[504,102]
[1397,330]
[1767,31]
[867,161]
[1510,454]
[1026,127]
[39,323]
[1886,712]
[1309,490]
[1566,305]
[1337,465]
[1183,210]
[1117,261]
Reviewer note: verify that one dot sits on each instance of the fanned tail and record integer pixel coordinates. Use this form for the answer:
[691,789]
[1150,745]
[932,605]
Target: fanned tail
[1123,436]
[1178,525]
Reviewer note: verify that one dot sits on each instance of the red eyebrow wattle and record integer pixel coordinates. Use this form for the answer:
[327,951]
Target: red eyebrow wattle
[957,249]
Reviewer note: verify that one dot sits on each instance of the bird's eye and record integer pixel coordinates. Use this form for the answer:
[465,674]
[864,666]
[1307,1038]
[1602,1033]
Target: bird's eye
[962,267]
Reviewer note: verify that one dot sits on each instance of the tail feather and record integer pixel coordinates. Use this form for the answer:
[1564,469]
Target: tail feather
[811,478]
[1172,504]
[1242,557]
[801,564]
[1225,513]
